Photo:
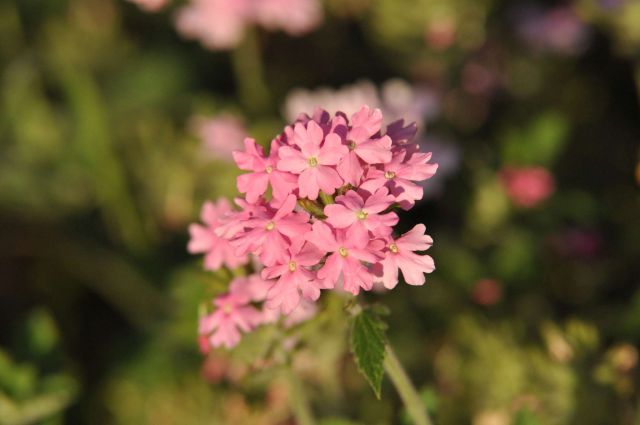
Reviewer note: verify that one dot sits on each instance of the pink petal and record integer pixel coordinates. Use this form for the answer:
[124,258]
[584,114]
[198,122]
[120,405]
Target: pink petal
[379,201]
[375,151]
[253,184]
[332,151]
[389,271]
[291,160]
[308,183]
[414,267]
[415,239]
[350,169]
[351,200]
[322,237]
[328,179]
[339,216]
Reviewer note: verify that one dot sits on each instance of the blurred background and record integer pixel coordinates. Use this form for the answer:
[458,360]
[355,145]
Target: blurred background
[117,120]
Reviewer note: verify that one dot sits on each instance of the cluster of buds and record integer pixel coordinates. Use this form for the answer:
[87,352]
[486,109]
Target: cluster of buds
[318,214]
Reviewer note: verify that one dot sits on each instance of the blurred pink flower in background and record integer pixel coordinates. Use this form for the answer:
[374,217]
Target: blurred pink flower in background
[150,5]
[527,187]
[396,99]
[295,17]
[220,24]
[220,135]
[557,30]
[487,292]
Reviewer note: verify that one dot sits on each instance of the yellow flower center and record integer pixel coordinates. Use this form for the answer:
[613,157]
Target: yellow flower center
[269,169]
[393,248]
[361,215]
[292,266]
[227,309]
[313,161]
[270,226]
[389,175]
[343,251]
[352,145]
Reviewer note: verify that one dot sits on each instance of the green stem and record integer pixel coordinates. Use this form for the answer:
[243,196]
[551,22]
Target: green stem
[299,402]
[249,74]
[410,397]
[312,208]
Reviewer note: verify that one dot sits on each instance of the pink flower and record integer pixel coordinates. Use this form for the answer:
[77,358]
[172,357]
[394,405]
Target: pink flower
[527,187]
[313,160]
[348,250]
[218,24]
[366,123]
[150,5]
[204,239]
[264,172]
[220,135]
[399,176]
[351,209]
[295,17]
[295,278]
[270,232]
[400,253]
[232,315]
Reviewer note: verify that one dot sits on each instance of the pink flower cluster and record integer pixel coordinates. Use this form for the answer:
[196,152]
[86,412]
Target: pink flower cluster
[318,214]
[220,24]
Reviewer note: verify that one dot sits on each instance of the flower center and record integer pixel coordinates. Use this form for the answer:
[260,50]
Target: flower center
[361,215]
[343,251]
[227,309]
[313,161]
[393,248]
[352,145]
[269,169]
[270,226]
[292,266]
[389,175]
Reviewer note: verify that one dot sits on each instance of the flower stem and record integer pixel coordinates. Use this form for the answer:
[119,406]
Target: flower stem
[410,397]
[298,398]
[249,74]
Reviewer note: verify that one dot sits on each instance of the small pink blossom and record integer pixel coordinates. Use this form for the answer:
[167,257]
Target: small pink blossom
[399,254]
[217,250]
[264,173]
[348,250]
[352,209]
[312,160]
[527,187]
[232,315]
[269,232]
[400,175]
[363,147]
[294,278]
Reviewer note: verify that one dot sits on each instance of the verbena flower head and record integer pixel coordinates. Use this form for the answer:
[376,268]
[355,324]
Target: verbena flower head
[318,213]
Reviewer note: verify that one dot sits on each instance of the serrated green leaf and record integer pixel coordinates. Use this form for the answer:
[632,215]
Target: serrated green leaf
[368,340]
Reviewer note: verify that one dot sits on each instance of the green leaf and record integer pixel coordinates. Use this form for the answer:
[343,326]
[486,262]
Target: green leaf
[368,340]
